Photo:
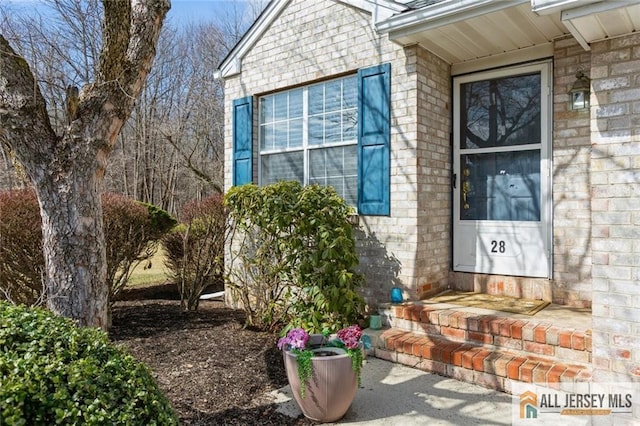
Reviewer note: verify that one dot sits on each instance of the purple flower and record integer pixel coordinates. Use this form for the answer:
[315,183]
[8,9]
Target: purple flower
[295,339]
[350,336]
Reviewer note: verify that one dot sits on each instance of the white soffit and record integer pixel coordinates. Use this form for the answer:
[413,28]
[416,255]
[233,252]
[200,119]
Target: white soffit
[602,20]
[465,30]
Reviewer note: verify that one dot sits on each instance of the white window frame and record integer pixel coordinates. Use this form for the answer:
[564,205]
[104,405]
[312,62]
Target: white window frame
[306,147]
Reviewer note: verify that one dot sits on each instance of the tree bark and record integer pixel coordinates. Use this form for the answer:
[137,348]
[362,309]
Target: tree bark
[67,171]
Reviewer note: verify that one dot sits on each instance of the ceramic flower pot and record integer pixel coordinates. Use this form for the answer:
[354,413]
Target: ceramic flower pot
[332,386]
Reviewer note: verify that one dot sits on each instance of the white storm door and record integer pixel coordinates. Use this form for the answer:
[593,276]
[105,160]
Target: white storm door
[502,185]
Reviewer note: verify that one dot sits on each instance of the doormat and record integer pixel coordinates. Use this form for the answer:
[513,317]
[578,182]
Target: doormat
[490,301]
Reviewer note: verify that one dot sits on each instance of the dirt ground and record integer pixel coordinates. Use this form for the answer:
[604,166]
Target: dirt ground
[213,370]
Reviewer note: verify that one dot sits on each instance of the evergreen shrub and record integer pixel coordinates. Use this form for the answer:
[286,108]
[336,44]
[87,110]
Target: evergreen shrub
[293,257]
[52,372]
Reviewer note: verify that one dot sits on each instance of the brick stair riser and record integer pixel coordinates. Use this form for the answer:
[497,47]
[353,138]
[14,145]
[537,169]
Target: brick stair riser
[528,337]
[476,364]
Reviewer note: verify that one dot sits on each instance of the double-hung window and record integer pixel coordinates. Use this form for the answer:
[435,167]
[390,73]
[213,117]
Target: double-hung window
[309,134]
[336,133]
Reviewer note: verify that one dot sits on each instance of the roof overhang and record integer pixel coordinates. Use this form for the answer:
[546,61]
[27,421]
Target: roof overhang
[602,20]
[460,31]
[441,14]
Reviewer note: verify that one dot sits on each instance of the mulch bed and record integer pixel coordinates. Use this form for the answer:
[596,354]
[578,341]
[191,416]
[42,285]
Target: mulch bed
[214,371]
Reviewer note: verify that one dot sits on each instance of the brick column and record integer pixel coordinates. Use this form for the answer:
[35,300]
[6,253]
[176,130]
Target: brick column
[615,189]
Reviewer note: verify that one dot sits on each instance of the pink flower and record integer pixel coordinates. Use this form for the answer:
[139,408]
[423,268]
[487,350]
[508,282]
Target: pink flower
[350,336]
[296,338]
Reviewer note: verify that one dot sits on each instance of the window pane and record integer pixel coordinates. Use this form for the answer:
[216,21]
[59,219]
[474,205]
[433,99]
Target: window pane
[316,99]
[500,112]
[350,92]
[280,137]
[295,103]
[350,194]
[349,125]
[332,128]
[333,96]
[501,186]
[316,131]
[266,110]
[350,161]
[281,107]
[286,166]
[266,136]
[336,167]
[295,133]
[334,162]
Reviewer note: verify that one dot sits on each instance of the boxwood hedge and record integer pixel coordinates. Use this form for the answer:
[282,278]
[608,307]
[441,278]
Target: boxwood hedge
[52,372]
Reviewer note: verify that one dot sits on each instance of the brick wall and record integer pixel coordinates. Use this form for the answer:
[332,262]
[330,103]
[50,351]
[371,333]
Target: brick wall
[313,40]
[434,171]
[615,189]
[571,181]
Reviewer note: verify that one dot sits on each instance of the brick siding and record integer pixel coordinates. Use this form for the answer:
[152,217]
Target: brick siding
[615,188]
[571,181]
[313,40]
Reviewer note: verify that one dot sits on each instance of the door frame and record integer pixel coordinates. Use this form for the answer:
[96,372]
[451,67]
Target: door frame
[545,225]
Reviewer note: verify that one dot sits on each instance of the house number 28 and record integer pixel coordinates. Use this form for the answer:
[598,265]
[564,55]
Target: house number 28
[498,246]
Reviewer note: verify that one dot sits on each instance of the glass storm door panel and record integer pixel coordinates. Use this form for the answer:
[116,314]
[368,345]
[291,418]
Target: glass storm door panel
[502,196]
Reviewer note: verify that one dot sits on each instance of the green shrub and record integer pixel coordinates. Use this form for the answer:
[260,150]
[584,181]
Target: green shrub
[195,249]
[293,257]
[52,372]
[131,230]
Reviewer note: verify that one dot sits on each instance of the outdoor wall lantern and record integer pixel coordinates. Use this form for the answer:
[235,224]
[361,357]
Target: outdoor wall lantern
[579,93]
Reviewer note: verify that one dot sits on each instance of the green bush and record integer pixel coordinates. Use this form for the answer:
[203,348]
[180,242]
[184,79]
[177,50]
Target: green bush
[131,230]
[293,257]
[195,249]
[52,372]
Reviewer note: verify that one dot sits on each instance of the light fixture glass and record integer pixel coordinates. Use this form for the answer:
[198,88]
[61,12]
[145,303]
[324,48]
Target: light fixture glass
[579,93]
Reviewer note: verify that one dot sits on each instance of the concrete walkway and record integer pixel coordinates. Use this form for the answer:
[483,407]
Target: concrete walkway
[393,394]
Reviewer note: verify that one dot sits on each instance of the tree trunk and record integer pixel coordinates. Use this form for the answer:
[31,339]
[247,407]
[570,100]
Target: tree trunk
[74,247]
[68,170]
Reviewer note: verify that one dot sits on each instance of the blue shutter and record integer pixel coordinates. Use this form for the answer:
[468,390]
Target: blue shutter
[242,140]
[374,91]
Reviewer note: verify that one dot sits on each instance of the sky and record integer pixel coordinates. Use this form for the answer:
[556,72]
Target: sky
[204,10]
[182,11]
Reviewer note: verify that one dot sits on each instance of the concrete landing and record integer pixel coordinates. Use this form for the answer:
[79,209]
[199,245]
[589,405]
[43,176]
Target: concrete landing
[393,394]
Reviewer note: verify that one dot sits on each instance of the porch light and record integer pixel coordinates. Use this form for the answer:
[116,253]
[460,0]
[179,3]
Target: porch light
[579,93]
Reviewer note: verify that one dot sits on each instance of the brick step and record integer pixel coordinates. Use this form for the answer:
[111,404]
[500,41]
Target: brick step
[528,337]
[491,367]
